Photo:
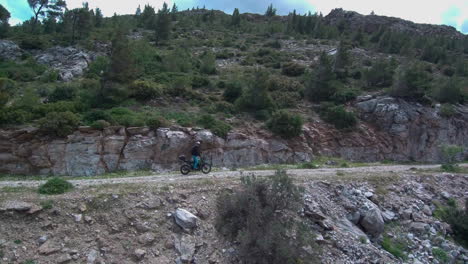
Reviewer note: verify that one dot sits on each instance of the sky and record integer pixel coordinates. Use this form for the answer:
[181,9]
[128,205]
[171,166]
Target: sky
[447,12]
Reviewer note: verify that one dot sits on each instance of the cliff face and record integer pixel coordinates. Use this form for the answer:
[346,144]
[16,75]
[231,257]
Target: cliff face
[372,23]
[389,129]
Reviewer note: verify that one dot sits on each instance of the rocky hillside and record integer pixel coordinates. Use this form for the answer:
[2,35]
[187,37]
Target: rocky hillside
[374,23]
[354,217]
[390,129]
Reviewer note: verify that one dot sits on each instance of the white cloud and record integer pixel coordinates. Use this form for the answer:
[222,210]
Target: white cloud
[121,7]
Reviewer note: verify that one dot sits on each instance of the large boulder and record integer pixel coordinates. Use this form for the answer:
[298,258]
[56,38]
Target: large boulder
[372,222]
[185,219]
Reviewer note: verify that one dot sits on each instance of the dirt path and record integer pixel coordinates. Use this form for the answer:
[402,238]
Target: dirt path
[173,178]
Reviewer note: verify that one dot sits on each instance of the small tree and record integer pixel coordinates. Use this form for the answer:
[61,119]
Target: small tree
[98,18]
[122,66]
[163,24]
[43,8]
[4,17]
[285,124]
[147,18]
[342,59]
[271,11]
[59,124]
[450,153]
[236,19]
[322,84]
[256,97]
[208,63]
[411,82]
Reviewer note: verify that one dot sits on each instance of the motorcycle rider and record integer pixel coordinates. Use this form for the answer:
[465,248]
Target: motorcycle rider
[196,154]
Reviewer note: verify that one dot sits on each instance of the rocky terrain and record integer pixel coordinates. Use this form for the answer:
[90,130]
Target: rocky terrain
[372,23]
[350,212]
[391,129]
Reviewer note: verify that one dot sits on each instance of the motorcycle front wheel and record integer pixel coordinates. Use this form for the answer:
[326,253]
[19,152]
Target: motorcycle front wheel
[206,168]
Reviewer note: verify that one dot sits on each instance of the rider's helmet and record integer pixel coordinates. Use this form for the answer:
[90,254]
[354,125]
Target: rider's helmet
[198,143]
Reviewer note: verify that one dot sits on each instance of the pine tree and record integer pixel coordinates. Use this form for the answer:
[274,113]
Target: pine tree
[99,18]
[236,19]
[147,18]
[271,12]
[163,24]
[44,8]
[174,11]
[322,84]
[122,66]
[342,59]
[4,17]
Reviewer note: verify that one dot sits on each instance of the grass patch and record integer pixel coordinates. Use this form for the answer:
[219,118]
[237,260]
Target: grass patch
[457,218]
[18,189]
[17,241]
[440,255]
[394,247]
[47,204]
[55,186]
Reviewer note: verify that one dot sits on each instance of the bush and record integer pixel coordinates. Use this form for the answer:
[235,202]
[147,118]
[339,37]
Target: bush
[59,123]
[233,91]
[447,110]
[100,124]
[43,109]
[256,97]
[126,117]
[222,107]
[394,247]
[179,87]
[63,92]
[95,115]
[146,90]
[344,95]
[411,82]
[250,217]
[7,88]
[285,124]
[273,44]
[293,69]
[339,117]
[26,71]
[200,81]
[278,83]
[457,219]
[218,127]
[14,116]
[379,75]
[286,99]
[450,92]
[98,67]
[208,63]
[450,154]
[155,122]
[28,42]
[55,186]
[440,255]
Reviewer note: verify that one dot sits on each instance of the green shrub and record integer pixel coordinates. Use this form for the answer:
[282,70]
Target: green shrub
[379,75]
[30,41]
[155,122]
[62,106]
[440,255]
[250,217]
[450,154]
[273,44]
[95,115]
[256,97]
[26,71]
[100,124]
[286,99]
[218,127]
[450,91]
[7,88]
[233,91]
[179,88]
[339,117]
[293,69]
[457,218]
[222,107]
[394,247]
[285,124]
[224,54]
[447,110]
[98,67]
[344,95]
[208,63]
[146,90]
[55,186]
[126,117]
[14,116]
[64,92]
[411,82]
[59,123]
[200,81]
[281,84]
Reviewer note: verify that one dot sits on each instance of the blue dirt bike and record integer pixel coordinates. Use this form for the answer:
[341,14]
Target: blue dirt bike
[187,167]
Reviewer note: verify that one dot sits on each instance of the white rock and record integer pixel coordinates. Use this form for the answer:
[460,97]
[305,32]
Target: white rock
[185,219]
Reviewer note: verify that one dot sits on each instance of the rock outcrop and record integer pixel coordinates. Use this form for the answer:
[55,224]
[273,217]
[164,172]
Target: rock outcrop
[70,62]
[9,50]
[372,23]
[390,129]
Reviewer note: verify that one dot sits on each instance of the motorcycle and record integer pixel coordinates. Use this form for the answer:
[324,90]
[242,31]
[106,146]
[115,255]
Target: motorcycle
[187,167]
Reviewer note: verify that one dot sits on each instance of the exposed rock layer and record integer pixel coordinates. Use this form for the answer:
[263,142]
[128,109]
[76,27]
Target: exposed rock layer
[393,129]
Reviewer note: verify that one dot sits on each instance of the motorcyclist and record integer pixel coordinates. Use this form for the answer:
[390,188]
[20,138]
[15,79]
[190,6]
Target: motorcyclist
[196,154]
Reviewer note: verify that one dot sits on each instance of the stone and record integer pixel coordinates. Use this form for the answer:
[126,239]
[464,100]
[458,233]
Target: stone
[418,227]
[445,195]
[92,256]
[65,258]
[18,206]
[388,216]
[77,217]
[146,239]
[185,219]
[9,50]
[139,253]
[372,222]
[354,217]
[406,214]
[427,210]
[185,246]
[368,195]
[41,240]
[49,248]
